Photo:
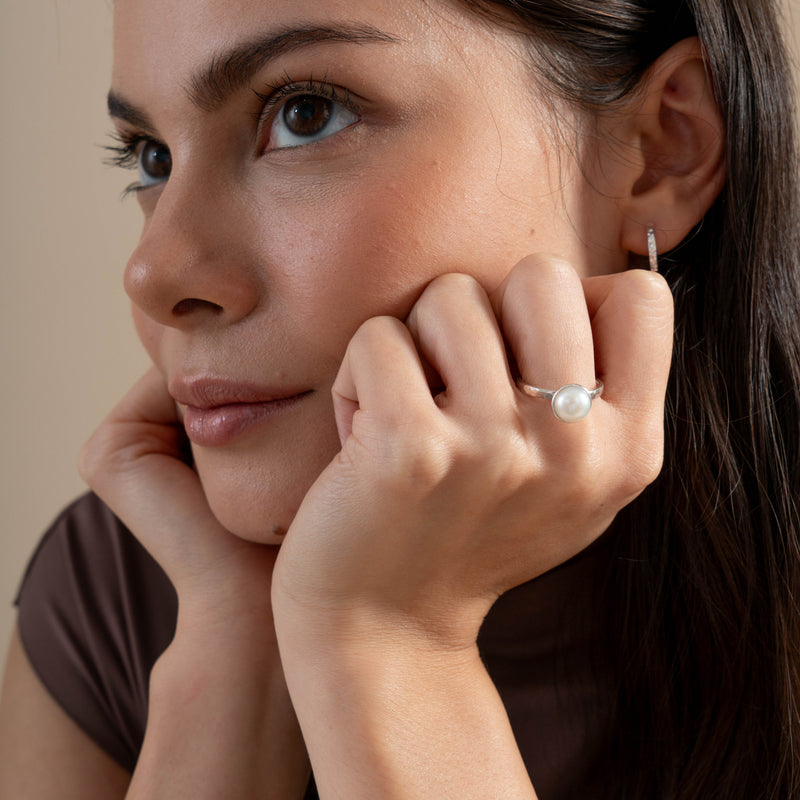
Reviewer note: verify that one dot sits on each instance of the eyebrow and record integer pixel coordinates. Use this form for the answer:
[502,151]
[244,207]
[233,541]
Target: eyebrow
[233,69]
[119,108]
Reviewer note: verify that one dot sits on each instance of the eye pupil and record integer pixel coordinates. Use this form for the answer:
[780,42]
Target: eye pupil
[308,115]
[156,160]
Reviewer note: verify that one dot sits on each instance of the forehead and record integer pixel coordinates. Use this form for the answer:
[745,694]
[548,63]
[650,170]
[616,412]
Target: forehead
[170,36]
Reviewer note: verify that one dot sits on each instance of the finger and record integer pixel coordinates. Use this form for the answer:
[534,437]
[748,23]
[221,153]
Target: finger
[381,376]
[134,463]
[632,323]
[545,321]
[454,326]
[632,319]
[144,421]
[147,401]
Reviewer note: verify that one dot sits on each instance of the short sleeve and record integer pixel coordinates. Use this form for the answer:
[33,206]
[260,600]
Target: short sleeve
[95,613]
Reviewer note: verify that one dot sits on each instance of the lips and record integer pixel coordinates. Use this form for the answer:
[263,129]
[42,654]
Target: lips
[218,412]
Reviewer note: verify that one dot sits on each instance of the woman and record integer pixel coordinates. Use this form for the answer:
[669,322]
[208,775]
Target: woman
[478,593]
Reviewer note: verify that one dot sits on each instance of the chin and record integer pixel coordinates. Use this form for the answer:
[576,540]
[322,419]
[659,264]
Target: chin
[251,516]
[255,497]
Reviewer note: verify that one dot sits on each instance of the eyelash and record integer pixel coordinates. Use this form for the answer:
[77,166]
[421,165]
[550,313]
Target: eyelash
[287,89]
[124,152]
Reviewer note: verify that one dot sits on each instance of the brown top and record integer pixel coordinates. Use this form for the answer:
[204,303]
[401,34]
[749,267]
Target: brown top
[95,612]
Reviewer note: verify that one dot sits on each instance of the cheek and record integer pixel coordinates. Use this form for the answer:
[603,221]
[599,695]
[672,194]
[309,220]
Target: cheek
[373,248]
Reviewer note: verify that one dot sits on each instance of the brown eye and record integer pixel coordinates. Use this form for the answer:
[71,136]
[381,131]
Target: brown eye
[307,115]
[306,118]
[155,163]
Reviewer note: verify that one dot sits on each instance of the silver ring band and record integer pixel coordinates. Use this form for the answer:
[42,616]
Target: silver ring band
[571,403]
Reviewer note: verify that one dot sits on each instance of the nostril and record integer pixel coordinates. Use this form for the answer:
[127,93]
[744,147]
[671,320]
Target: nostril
[191,305]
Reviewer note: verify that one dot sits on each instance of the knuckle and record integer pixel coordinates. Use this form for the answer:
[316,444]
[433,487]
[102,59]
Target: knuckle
[372,336]
[543,267]
[114,450]
[374,329]
[93,457]
[649,294]
[539,278]
[445,297]
[443,290]
[640,467]
[452,282]
[414,464]
[485,468]
[648,465]
[576,469]
[86,462]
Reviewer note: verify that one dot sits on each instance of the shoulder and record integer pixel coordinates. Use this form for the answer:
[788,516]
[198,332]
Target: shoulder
[95,612]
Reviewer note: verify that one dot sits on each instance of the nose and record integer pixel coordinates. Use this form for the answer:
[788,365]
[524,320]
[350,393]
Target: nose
[193,265]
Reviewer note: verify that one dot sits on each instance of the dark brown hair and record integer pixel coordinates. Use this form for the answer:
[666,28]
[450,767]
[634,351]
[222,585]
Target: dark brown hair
[706,586]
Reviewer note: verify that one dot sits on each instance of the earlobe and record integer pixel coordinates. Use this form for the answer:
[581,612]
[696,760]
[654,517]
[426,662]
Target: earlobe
[679,165]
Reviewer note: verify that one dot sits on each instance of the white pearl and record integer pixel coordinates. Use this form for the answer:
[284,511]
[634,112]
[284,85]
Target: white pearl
[571,403]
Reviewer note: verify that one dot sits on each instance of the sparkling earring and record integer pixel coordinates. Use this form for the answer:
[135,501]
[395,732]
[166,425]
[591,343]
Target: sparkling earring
[652,250]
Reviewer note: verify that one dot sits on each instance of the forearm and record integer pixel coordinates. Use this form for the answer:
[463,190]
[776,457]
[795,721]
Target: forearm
[220,728]
[402,723]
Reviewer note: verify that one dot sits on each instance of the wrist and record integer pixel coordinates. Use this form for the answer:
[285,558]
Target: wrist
[435,626]
[398,715]
[224,726]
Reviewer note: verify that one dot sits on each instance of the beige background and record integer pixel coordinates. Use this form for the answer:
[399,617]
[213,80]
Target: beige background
[67,349]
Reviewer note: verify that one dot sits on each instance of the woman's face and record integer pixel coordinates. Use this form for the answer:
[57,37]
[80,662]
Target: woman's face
[307,165]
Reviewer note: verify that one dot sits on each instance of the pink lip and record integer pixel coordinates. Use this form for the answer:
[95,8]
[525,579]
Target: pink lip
[218,411]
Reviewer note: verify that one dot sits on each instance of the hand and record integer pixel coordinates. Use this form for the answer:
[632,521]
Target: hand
[220,721]
[439,501]
[137,463]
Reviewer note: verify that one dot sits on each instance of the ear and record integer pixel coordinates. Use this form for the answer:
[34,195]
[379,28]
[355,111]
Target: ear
[675,169]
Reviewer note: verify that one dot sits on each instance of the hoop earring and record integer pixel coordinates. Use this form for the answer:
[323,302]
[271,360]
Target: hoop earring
[652,250]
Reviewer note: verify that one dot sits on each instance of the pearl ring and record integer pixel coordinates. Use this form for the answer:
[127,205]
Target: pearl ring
[570,403]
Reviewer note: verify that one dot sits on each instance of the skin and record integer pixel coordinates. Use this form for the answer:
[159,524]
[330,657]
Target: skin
[419,187]
[383,270]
